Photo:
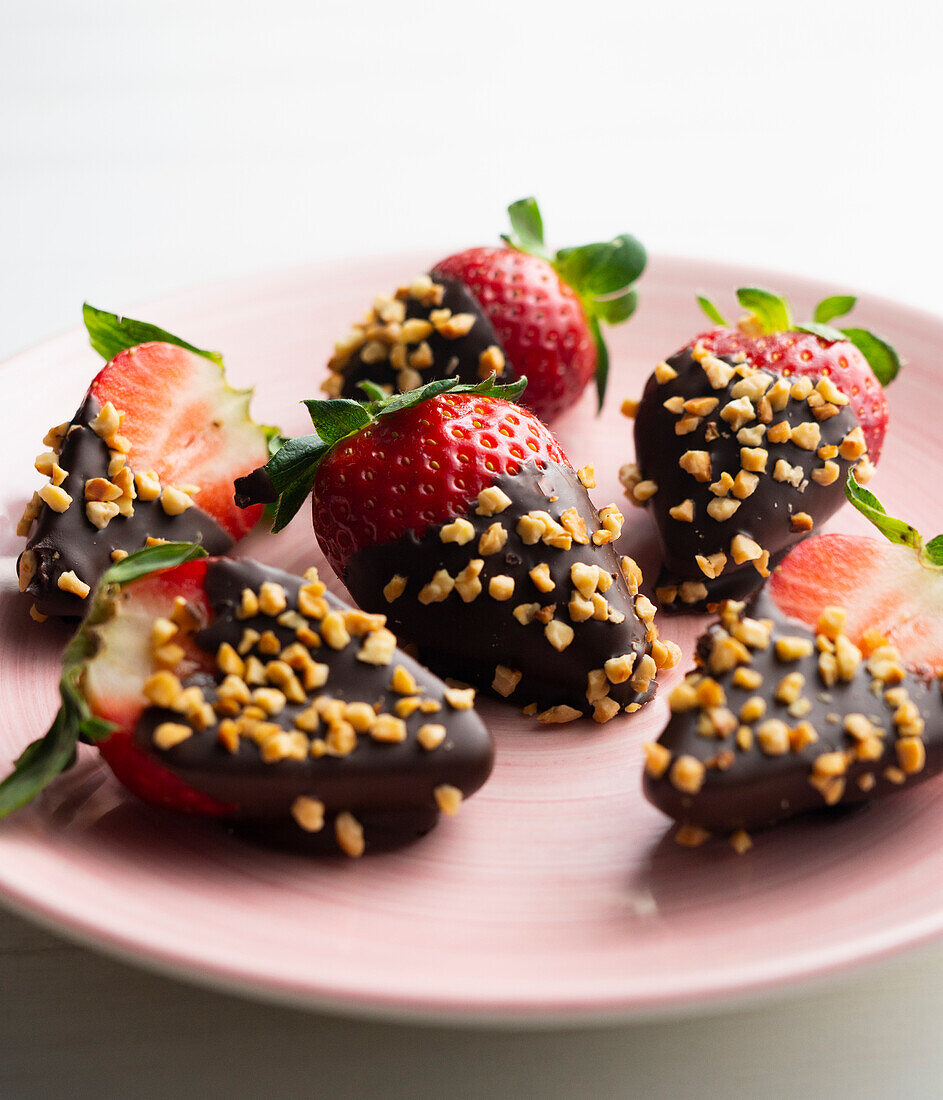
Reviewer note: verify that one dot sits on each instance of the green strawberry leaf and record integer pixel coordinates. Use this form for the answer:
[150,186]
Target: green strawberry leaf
[881,357]
[598,270]
[372,390]
[770,310]
[836,306]
[826,332]
[527,228]
[602,361]
[288,477]
[141,562]
[896,530]
[711,310]
[110,333]
[42,760]
[337,417]
[934,550]
[616,310]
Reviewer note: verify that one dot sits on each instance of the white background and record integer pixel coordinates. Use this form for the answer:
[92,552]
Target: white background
[149,146]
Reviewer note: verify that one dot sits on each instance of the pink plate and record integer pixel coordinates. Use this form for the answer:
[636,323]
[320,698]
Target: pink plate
[556,894]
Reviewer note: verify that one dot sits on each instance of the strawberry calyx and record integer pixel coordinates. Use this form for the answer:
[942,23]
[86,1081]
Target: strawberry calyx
[895,530]
[601,274]
[769,313]
[42,760]
[288,477]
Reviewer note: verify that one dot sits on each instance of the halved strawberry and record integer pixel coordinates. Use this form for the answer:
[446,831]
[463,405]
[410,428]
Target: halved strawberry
[235,690]
[890,588]
[778,719]
[455,512]
[151,454]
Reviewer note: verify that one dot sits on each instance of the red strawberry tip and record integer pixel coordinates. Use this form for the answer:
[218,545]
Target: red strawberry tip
[288,477]
[769,313]
[44,759]
[601,274]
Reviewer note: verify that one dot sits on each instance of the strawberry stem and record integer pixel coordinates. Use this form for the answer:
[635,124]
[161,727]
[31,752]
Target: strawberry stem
[893,529]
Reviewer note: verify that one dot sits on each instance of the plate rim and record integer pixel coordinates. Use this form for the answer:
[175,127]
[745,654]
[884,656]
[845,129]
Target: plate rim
[876,950]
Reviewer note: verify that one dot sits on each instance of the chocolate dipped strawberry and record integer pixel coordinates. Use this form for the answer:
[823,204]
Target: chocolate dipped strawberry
[509,311]
[743,442]
[238,691]
[826,692]
[457,514]
[151,455]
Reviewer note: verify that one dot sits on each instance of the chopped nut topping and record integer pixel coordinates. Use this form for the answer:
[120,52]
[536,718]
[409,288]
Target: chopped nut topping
[605,710]
[793,475]
[779,433]
[378,647]
[692,591]
[574,524]
[740,842]
[460,698]
[559,714]
[437,589]
[173,501]
[394,588]
[56,497]
[459,531]
[789,688]
[911,755]
[349,834]
[744,549]
[448,798]
[644,491]
[501,587]
[645,672]
[430,736]
[687,774]
[691,836]
[722,486]
[467,584]
[619,669]
[687,425]
[168,734]
[772,736]
[657,759]
[664,373]
[491,361]
[753,459]
[789,648]
[558,634]
[100,513]
[722,508]
[540,575]
[738,412]
[272,599]
[801,521]
[827,474]
[388,728]
[631,574]
[493,540]
[403,682]
[525,612]
[629,407]
[807,435]
[69,582]
[308,813]
[505,680]
[697,464]
[459,324]
[683,511]
[853,445]
[712,566]
[751,437]
[587,476]
[491,501]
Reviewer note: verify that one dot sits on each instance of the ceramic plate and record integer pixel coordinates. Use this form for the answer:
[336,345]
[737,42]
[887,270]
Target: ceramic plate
[556,895]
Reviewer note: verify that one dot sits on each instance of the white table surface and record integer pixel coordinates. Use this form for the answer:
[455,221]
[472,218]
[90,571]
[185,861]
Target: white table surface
[145,146]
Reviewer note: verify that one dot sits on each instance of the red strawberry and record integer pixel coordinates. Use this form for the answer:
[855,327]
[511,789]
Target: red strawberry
[858,362]
[511,311]
[152,453]
[235,690]
[456,513]
[890,588]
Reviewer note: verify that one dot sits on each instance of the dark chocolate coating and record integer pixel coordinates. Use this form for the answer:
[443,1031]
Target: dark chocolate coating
[764,516]
[69,540]
[757,790]
[458,358]
[388,784]
[468,640]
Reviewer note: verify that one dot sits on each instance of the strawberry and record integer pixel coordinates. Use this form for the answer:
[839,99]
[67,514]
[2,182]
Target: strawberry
[456,513]
[234,690]
[891,588]
[779,719]
[858,362]
[511,311]
[736,463]
[158,426]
